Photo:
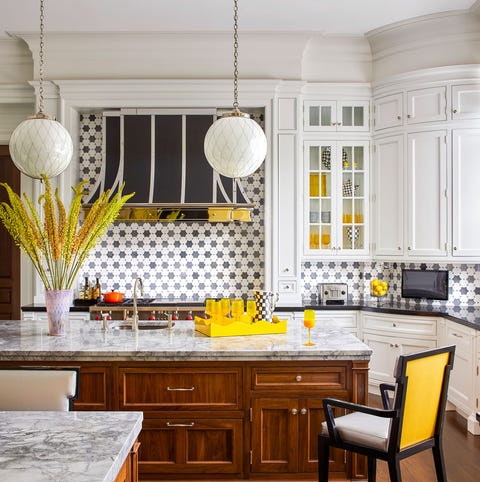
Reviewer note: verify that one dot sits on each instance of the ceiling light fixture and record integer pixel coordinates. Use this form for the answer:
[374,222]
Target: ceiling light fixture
[235,145]
[40,144]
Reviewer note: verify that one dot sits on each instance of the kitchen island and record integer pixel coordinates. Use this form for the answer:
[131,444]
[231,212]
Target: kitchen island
[231,407]
[68,446]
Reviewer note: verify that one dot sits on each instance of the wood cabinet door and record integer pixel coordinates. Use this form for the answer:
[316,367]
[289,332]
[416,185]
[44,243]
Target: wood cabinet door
[274,443]
[95,389]
[311,416]
[191,446]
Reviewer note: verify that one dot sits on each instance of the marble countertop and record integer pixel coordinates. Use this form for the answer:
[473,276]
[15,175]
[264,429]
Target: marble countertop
[463,314]
[468,315]
[28,340]
[65,446]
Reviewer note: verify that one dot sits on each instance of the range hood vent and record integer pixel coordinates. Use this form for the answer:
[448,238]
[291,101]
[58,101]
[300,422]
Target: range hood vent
[159,155]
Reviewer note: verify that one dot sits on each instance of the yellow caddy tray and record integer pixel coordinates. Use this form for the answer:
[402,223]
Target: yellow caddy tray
[237,328]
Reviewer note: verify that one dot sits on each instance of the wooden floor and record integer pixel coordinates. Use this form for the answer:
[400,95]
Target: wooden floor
[461,450]
[462,456]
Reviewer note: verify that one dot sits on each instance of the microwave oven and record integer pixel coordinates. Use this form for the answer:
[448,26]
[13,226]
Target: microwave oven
[425,284]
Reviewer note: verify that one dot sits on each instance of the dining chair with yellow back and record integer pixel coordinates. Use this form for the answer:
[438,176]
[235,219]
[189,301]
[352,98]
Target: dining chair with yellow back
[38,388]
[411,424]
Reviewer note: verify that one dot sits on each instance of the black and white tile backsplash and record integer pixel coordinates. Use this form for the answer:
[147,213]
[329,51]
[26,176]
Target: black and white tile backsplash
[200,259]
[187,259]
[464,279]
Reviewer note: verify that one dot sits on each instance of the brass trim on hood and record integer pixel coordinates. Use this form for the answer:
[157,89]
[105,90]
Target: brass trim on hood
[173,212]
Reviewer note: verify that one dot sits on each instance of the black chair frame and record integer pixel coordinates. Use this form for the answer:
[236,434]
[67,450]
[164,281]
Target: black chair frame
[393,454]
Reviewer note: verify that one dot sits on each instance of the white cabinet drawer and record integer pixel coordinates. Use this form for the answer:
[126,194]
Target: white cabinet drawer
[401,325]
[336,320]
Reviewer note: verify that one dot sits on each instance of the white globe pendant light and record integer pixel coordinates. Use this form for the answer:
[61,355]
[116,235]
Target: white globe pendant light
[40,145]
[235,145]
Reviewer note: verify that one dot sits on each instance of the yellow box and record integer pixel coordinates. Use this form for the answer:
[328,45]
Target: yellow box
[238,328]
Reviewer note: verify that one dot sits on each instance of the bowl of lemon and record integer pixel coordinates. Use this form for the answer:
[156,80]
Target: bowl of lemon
[378,288]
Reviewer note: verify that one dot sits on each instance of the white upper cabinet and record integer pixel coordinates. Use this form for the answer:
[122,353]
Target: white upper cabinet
[426,105]
[336,197]
[336,116]
[466,192]
[388,196]
[427,194]
[466,101]
[388,111]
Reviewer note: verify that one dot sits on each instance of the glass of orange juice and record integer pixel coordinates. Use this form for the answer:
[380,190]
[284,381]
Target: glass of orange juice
[309,322]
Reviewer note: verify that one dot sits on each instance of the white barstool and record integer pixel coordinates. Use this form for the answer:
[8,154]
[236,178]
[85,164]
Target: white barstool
[38,388]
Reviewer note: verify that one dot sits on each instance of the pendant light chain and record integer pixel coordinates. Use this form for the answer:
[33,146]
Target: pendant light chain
[42,17]
[235,55]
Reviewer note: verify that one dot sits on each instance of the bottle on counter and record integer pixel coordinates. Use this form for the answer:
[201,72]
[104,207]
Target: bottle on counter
[175,316]
[85,291]
[97,290]
[189,316]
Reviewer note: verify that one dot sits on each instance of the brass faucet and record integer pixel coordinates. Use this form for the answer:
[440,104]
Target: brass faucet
[135,307]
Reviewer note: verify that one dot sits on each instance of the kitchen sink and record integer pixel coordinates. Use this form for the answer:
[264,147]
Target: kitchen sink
[143,325]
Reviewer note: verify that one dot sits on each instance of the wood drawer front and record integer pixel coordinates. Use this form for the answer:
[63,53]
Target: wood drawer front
[319,378]
[180,389]
[401,325]
[189,446]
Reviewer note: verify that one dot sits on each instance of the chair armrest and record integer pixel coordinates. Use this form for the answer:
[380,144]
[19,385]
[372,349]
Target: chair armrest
[384,388]
[379,412]
[328,403]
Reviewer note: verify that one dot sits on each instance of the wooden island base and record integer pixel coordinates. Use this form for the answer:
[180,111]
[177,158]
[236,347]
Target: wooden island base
[226,420]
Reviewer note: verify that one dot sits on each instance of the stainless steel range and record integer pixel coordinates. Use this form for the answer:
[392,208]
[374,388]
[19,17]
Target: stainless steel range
[148,308]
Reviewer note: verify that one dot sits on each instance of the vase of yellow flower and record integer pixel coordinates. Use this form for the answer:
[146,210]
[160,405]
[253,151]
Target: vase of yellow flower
[56,241]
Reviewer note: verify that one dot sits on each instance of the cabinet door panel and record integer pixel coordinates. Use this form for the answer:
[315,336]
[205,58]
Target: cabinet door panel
[190,446]
[388,207]
[427,193]
[466,101]
[312,416]
[95,389]
[426,105]
[274,435]
[466,195]
[388,111]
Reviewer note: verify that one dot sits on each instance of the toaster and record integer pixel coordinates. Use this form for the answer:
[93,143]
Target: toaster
[332,293]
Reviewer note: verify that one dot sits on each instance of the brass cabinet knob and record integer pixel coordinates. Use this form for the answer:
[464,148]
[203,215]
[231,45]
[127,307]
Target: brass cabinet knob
[294,411]
[303,411]
[298,378]
[399,118]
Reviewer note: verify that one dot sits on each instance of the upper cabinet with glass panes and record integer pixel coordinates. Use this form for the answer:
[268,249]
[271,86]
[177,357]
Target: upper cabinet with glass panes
[336,177]
[336,115]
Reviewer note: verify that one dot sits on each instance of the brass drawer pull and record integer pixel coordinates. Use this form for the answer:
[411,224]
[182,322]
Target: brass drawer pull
[298,378]
[191,424]
[173,389]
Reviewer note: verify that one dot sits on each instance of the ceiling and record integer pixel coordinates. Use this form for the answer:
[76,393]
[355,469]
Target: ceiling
[345,17]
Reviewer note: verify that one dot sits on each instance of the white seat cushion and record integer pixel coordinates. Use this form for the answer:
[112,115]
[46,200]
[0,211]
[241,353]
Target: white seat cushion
[362,428]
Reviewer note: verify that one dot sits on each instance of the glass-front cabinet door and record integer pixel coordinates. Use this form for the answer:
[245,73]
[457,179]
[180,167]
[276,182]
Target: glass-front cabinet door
[337,188]
[336,116]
